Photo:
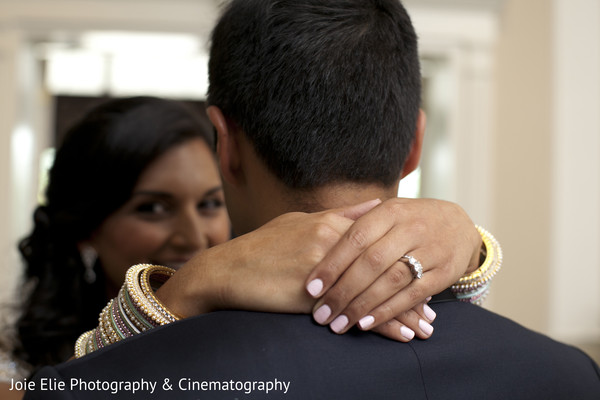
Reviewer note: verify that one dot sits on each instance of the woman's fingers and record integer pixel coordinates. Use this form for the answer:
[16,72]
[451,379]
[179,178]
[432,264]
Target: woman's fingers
[361,297]
[392,293]
[367,230]
[361,276]
[354,212]
[417,289]
[373,278]
[410,324]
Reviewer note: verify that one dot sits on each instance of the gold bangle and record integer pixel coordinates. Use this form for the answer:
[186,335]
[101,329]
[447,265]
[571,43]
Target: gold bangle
[142,295]
[130,323]
[131,312]
[162,273]
[134,310]
[82,343]
[107,326]
[476,282]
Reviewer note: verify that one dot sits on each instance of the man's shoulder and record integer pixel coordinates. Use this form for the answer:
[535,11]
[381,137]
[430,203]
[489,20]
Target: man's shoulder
[501,354]
[471,349]
[251,349]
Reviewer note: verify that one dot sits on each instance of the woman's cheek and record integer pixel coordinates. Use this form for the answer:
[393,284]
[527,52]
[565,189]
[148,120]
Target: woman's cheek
[219,230]
[141,240]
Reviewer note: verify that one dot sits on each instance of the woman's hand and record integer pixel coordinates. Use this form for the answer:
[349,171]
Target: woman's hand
[362,280]
[264,270]
[356,264]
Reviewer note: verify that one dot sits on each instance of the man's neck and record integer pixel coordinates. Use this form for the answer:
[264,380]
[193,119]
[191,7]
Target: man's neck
[336,196]
[263,197]
[277,201]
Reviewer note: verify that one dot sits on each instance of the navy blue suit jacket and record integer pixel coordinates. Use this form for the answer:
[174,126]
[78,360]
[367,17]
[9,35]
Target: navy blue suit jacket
[473,354]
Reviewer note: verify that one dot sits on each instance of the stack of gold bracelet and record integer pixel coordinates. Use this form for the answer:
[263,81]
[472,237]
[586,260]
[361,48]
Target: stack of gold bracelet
[474,287]
[135,310]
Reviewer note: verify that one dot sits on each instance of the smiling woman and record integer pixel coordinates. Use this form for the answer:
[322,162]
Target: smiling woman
[177,208]
[134,181]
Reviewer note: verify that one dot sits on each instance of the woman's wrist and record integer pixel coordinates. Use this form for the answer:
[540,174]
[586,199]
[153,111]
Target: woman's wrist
[194,288]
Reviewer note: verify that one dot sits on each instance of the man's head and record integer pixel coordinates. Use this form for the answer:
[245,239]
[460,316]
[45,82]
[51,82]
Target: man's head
[324,93]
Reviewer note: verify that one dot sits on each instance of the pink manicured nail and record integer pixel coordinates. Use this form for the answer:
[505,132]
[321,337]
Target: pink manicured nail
[429,313]
[339,323]
[372,203]
[427,300]
[322,314]
[366,322]
[407,332]
[425,327]
[314,287]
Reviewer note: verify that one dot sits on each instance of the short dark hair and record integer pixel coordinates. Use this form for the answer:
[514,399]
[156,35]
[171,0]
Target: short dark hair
[326,91]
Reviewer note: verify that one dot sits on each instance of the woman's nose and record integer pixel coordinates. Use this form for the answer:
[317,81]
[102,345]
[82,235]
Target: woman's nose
[190,231]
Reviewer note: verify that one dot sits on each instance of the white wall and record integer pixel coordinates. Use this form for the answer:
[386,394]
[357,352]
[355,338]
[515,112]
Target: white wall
[523,147]
[575,251]
[547,174]
[9,48]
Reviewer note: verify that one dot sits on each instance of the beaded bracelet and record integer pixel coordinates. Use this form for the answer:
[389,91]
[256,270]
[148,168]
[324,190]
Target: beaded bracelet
[474,287]
[133,311]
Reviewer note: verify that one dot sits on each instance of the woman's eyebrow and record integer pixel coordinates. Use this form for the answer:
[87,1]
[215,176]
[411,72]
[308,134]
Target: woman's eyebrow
[151,193]
[213,190]
[158,193]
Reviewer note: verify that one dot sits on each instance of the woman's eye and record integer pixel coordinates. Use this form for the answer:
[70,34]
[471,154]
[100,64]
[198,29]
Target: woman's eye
[211,205]
[152,209]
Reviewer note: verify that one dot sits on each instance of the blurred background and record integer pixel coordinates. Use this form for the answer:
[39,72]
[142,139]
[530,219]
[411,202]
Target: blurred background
[511,90]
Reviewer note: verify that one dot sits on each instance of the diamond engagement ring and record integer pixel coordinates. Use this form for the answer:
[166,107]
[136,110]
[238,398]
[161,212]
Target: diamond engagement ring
[415,266]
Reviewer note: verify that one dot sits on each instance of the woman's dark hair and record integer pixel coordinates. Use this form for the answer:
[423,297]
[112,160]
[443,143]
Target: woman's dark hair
[94,173]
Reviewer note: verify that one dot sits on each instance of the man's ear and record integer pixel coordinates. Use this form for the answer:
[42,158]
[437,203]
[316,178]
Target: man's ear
[228,151]
[414,156]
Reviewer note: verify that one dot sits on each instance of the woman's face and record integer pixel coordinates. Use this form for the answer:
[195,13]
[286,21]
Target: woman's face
[177,209]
